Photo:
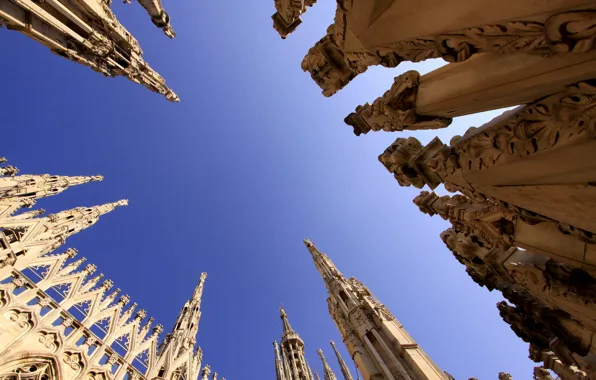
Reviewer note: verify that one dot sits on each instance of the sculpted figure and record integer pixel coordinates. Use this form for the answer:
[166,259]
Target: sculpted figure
[560,287]
[505,376]
[396,160]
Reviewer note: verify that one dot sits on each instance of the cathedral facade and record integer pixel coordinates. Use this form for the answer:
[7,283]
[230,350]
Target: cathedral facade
[62,320]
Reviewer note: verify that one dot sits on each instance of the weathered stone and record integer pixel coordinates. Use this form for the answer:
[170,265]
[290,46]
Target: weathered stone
[91,36]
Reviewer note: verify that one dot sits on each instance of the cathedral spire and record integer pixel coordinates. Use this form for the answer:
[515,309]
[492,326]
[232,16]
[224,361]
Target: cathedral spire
[342,364]
[378,343]
[286,324]
[22,187]
[292,353]
[279,369]
[67,223]
[187,326]
[324,265]
[327,371]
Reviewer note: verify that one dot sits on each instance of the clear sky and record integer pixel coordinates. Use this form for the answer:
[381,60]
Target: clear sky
[229,181]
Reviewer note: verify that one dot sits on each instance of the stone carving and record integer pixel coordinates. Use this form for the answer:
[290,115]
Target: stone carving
[397,158]
[331,68]
[395,110]
[49,340]
[467,250]
[560,33]
[560,287]
[287,17]
[537,127]
[571,31]
[74,360]
[101,42]
[328,72]
[22,318]
[30,371]
[505,376]
[21,301]
[541,373]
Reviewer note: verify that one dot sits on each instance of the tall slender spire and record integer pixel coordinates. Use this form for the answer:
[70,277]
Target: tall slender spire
[180,343]
[292,352]
[317,375]
[342,364]
[324,265]
[67,223]
[187,326]
[378,343]
[286,324]
[327,371]
[39,186]
[279,369]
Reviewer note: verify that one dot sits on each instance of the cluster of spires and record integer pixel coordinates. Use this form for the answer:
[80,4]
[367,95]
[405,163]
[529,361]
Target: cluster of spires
[290,363]
[17,192]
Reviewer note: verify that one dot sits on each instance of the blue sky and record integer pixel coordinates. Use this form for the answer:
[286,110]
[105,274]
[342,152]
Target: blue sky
[229,181]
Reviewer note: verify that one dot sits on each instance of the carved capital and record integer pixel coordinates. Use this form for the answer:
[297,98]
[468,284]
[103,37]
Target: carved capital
[395,110]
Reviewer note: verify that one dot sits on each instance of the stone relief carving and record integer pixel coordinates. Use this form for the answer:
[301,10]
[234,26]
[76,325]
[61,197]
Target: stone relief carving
[560,33]
[560,287]
[74,360]
[30,371]
[23,319]
[535,128]
[49,340]
[395,110]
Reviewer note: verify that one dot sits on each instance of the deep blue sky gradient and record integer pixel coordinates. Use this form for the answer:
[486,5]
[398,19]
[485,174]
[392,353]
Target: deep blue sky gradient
[229,181]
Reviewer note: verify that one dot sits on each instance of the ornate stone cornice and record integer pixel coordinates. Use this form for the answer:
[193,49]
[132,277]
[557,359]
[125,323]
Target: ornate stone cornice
[567,32]
[395,110]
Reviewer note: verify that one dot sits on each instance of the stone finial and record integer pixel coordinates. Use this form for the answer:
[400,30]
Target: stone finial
[107,285]
[9,170]
[158,329]
[124,300]
[141,314]
[206,372]
[90,269]
[71,252]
